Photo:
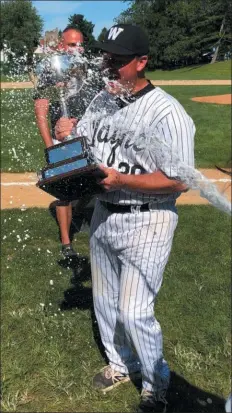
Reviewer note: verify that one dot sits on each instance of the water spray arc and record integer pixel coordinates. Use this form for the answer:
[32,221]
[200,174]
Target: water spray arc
[166,159]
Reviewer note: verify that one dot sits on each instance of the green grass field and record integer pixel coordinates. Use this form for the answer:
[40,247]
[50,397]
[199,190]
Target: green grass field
[49,334]
[14,78]
[219,70]
[22,148]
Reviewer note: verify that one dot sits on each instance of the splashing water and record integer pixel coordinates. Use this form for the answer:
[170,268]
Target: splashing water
[61,66]
[165,158]
[22,146]
[159,150]
[15,67]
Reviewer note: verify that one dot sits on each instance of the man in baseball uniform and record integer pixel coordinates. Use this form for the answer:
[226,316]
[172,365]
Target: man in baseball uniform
[77,102]
[134,220]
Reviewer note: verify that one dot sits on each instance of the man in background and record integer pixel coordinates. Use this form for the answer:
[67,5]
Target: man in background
[45,107]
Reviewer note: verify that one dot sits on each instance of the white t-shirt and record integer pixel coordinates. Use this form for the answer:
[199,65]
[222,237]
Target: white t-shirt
[118,138]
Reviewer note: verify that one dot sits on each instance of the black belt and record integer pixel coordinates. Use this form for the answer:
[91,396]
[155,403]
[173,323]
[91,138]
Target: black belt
[121,209]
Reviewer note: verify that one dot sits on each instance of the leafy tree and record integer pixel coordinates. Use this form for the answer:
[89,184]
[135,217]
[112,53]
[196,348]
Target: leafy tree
[180,31]
[21,28]
[223,9]
[101,36]
[150,15]
[86,27]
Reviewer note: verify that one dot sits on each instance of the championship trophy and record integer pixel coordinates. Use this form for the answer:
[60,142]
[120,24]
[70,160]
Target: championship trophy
[71,171]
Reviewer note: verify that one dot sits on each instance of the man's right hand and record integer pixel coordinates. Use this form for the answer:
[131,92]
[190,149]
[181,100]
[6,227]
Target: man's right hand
[64,127]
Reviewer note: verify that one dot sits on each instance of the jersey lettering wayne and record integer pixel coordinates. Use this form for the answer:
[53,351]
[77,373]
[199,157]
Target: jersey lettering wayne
[117,136]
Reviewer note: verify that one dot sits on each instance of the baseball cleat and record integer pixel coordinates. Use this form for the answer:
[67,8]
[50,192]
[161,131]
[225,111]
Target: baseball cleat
[107,379]
[68,252]
[149,403]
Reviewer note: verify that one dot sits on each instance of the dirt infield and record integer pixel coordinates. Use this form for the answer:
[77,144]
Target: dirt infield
[16,85]
[19,190]
[28,85]
[218,99]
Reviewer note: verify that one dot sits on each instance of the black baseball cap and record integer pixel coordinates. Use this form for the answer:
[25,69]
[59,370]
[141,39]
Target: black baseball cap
[125,39]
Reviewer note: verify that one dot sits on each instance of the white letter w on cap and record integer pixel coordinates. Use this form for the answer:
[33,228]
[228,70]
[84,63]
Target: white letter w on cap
[114,32]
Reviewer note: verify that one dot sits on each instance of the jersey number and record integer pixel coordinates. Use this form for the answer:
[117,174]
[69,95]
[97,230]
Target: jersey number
[124,168]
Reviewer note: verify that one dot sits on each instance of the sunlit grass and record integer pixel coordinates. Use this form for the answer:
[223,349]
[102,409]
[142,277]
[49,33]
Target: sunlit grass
[218,70]
[49,336]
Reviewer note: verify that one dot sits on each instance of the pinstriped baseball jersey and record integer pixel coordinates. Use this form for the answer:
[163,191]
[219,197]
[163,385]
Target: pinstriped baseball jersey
[129,250]
[117,137]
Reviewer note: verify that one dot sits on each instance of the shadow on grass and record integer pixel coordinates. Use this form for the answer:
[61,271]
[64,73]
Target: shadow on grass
[183,397]
[80,296]
[77,296]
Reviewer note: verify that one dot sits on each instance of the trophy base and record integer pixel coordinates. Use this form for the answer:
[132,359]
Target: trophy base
[74,184]
[66,150]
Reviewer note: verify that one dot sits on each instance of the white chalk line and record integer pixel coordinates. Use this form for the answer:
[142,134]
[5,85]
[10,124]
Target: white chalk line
[223,180]
[18,183]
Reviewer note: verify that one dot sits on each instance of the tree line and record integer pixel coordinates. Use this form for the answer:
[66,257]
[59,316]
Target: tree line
[182,32]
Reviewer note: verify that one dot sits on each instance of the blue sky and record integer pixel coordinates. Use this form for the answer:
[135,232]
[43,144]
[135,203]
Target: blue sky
[101,13]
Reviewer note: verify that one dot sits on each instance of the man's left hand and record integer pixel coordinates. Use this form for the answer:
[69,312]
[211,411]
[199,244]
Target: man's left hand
[113,180]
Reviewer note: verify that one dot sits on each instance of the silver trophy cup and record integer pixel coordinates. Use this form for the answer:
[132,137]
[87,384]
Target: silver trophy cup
[57,70]
[71,171]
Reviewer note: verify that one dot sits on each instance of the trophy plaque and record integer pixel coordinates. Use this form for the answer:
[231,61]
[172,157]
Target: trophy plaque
[71,171]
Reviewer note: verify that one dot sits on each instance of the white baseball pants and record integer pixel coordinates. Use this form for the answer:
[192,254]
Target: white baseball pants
[129,252]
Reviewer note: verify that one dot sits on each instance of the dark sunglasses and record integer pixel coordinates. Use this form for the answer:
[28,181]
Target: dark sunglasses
[117,61]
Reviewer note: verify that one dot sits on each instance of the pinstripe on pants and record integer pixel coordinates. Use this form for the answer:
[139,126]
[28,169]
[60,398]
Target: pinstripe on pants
[128,255]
